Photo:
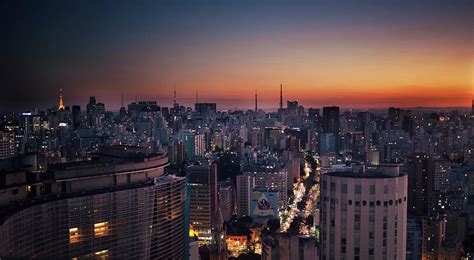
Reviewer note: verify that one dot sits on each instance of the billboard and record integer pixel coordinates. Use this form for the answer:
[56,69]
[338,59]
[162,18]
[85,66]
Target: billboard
[264,203]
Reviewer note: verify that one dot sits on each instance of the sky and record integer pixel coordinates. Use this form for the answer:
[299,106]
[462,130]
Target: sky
[360,54]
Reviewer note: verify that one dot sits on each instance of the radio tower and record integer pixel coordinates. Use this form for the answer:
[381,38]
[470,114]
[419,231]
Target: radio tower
[61,104]
[256,107]
[281,96]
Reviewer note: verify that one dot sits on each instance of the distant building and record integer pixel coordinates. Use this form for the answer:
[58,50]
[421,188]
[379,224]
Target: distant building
[205,108]
[244,186]
[330,126]
[226,200]
[7,145]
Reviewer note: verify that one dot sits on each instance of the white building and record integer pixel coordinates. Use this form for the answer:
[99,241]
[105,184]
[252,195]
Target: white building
[363,215]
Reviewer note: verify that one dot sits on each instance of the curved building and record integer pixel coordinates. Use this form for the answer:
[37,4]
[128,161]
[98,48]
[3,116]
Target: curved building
[117,207]
[363,215]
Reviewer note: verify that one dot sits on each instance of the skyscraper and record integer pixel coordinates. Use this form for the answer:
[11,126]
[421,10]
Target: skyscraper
[202,181]
[364,215]
[76,116]
[420,169]
[331,126]
[331,120]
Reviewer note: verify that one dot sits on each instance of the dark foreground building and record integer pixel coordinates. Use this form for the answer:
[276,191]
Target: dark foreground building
[118,206]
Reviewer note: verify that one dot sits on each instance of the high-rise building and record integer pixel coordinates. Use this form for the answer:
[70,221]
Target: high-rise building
[7,145]
[226,200]
[76,116]
[244,186]
[420,183]
[204,108]
[260,176]
[292,106]
[199,144]
[96,209]
[202,187]
[441,175]
[434,231]
[331,126]
[331,120]
[414,238]
[364,215]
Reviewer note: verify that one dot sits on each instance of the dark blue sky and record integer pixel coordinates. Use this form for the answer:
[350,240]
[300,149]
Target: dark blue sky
[141,47]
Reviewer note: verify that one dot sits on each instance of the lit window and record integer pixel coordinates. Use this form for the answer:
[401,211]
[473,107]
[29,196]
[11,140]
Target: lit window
[101,229]
[103,254]
[73,235]
[28,188]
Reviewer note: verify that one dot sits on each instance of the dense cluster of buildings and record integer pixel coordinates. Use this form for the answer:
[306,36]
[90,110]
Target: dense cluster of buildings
[178,182]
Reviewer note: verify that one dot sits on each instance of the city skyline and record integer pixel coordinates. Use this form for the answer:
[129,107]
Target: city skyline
[360,55]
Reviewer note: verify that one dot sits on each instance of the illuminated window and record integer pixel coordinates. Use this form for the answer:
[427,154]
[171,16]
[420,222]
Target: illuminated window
[101,229]
[28,188]
[103,254]
[73,235]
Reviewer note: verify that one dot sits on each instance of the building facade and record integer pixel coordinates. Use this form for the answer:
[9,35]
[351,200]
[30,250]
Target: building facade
[117,208]
[363,216]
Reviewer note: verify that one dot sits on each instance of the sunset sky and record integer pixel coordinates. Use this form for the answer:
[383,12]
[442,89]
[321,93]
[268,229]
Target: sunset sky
[355,54]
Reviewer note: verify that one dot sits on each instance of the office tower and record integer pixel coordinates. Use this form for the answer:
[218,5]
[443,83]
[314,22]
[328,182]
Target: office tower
[328,143]
[331,126]
[331,120]
[199,144]
[395,116]
[91,105]
[91,111]
[76,116]
[313,116]
[434,231]
[364,215]
[244,186]
[226,200]
[314,138]
[292,106]
[95,209]
[260,176]
[420,183]
[188,138]
[7,145]
[202,187]
[205,108]
[441,176]
[414,238]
